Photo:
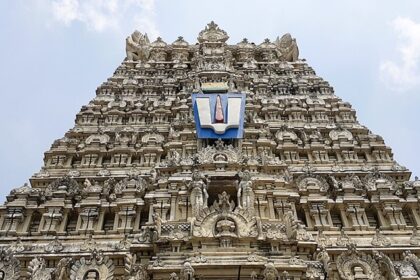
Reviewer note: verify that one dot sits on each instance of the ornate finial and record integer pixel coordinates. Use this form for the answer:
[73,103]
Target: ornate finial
[212,33]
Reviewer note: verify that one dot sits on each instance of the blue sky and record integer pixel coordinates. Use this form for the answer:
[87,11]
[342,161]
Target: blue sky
[54,54]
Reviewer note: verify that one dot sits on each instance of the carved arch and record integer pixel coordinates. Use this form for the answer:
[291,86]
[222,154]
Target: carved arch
[306,181]
[205,225]
[351,259]
[97,262]
[9,265]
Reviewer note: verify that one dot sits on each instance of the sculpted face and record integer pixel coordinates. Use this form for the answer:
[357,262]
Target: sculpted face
[136,36]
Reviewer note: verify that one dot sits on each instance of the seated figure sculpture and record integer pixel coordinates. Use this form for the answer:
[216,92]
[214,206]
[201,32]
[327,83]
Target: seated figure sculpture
[137,47]
[287,48]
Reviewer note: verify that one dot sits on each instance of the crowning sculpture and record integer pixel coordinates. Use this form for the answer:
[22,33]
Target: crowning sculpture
[146,185]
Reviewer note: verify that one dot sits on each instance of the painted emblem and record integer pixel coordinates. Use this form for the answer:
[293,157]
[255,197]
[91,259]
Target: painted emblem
[219,115]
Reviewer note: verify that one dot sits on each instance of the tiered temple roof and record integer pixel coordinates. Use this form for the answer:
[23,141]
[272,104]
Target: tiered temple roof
[131,192]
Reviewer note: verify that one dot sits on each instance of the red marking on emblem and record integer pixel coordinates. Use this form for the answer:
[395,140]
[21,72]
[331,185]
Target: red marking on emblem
[219,111]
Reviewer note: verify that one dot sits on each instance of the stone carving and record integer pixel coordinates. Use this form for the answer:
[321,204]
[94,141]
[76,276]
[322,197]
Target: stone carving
[225,230]
[134,183]
[65,184]
[311,181]
[270,272]
[38,270]
[211,154]
[323,240]
[54,246]
[341,133]
[25,189]
[275,231]
[137,47]
[89,244]
[385,265]
[199,258]
[18,246]
[413,259]
[173,276]
[187,272]
[9,265]
[62,272]
[152,138]
[245,224]
[354,265]
[296,261]
[139,272]
[245,193]
[377,179]
[255,258]
[295,230]
[324,259]
[287,48]
[198,190]
[315,270]
[415,237]
[131,155]
[380,240]
[343,240]
[212,33]
[97,265]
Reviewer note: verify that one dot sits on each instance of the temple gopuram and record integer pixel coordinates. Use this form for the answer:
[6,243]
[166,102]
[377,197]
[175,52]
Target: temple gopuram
[214,161]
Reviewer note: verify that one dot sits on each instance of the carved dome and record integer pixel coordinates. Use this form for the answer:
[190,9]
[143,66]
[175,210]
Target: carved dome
[180,43]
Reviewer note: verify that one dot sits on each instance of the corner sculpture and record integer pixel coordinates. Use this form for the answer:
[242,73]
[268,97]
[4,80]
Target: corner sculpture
[284,184]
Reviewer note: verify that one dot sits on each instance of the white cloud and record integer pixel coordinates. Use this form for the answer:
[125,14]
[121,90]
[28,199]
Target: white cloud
[102,15]
[404,75]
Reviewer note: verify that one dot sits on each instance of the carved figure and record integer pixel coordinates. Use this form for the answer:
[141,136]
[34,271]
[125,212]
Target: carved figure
[270,272]
[38,270]
[287,48]
[199,195]
[137,46]
[187,272]
[62,272]
[244,191]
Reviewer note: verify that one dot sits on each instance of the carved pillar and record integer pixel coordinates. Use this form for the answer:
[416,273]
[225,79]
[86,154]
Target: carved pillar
[162,207]
[320,215]
[415,213]
[261,205]
[271,213]
[394,214]
[126,216]
[52,219]
[173,207]
[12,218]
[357,216]
[88,219]
[282,206]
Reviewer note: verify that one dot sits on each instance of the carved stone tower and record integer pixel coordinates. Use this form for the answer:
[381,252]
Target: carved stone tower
[214,161]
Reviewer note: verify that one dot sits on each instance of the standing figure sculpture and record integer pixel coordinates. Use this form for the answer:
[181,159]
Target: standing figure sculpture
[245,193]
[199,195]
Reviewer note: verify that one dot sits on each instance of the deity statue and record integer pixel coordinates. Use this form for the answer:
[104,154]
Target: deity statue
[245,193]
[270,272]
[137,46]
[62,271]
[199,195]
[287,48]
[187,272]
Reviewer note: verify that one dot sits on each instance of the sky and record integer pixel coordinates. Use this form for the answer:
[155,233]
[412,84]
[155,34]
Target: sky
[54,54]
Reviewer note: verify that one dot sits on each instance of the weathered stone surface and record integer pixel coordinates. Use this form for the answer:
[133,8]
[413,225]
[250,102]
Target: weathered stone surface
[130,192]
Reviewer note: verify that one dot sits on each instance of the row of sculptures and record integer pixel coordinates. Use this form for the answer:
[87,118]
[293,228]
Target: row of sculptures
[139,47]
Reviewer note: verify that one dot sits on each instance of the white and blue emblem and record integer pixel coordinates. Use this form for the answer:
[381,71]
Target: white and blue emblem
[219,115]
